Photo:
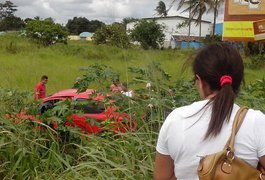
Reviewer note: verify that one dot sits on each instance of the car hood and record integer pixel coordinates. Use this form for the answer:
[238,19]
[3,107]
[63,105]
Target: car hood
[69,93]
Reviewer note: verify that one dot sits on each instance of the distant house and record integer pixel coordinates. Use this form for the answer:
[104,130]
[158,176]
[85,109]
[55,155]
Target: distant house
[74,37]
[82,36]
[174,29]
[86,36]
[182,42]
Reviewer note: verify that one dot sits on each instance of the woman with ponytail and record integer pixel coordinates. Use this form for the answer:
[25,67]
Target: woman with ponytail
[203,127]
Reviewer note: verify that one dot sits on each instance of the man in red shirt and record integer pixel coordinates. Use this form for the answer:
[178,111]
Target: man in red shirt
[40,89]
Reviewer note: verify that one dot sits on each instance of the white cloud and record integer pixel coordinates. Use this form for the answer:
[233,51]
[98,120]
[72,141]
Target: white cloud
[107,11]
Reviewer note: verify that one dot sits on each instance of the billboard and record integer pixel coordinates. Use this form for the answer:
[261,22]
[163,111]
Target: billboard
[259,30]
[244,20]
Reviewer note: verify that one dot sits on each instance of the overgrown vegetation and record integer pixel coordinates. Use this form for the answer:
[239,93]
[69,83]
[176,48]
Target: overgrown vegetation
[78,25]
[114,34]
[8,21]
[41,151]
[34,150]
[46,31]
[148,33]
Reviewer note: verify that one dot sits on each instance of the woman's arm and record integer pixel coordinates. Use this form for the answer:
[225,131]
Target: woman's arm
[164,167]
[262,161]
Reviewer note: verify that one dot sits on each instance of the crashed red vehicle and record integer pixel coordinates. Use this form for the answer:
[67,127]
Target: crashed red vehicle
[108,118]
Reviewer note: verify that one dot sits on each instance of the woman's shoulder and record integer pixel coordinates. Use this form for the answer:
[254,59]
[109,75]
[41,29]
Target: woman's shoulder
[190,110]
[255,116]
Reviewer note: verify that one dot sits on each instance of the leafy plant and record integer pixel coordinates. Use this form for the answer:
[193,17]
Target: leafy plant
[148,33]
[257,61]
[14,101]
[114,34]
[253,95]
[34,150]
[46,31]
[98,73]
[212,39]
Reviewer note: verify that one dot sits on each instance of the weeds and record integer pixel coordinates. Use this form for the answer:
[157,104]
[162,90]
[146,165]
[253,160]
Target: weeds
[34,150]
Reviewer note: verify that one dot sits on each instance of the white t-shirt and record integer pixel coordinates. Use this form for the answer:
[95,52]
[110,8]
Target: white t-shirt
[181,137]
[127,93]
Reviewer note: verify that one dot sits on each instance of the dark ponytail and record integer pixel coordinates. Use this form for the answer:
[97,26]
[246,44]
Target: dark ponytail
[211,64]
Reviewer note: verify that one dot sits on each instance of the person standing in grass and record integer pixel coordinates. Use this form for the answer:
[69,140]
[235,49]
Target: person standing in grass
[125,91]
[40,88]
[116,85]
[203,127]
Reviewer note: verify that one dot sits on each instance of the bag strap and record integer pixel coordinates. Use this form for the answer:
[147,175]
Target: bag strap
[238,120]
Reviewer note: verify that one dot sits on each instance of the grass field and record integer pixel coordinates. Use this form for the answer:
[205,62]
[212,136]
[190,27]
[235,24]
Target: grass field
[23,63]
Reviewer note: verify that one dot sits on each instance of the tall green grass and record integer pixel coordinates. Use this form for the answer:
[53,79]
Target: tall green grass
[23,63]
[33,150]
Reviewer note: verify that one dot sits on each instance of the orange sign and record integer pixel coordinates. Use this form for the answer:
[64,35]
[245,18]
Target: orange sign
[246,7]
[240,17]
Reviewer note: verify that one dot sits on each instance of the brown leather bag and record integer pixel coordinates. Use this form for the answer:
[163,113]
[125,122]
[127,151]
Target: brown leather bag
[224,165]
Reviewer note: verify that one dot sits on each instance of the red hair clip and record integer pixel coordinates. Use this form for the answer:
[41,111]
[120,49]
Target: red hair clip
[226,79]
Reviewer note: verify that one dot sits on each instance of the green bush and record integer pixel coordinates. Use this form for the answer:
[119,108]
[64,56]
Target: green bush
[148,33]
[114,34]
[33,150]
[256,61]
[212,39]
[46,32]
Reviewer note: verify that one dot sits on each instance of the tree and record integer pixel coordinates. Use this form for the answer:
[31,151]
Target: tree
[94,25]
[128,20]
[7,9]
[46,31]
[161,9]
[114,34]
[196,9]
[214,7]
[149,34]
[11,23]
[201,8]
[82,24]
[7,19]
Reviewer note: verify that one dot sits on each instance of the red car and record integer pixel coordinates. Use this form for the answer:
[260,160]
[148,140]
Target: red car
[107,118]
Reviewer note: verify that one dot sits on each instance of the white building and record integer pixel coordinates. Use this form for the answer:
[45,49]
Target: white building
[173,29]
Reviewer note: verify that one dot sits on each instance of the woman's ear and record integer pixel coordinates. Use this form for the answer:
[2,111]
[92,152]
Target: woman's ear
[201,86]
[199,81]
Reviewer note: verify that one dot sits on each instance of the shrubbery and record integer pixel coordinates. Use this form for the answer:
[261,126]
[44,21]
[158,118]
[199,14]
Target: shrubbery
[114,34]
[46,31]
[148,33]
[33,150]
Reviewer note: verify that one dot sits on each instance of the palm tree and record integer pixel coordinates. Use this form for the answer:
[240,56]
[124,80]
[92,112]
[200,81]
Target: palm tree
[180,5]
[215,4]
[161,9]
[196,9]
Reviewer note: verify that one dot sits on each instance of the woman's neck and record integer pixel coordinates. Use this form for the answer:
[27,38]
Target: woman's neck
[210,96]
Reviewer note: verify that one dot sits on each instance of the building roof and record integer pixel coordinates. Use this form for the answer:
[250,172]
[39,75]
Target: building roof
[187,38]
[86,34]
[173,17]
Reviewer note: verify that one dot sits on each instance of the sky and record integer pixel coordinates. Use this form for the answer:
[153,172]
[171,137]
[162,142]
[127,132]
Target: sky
[107,11]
